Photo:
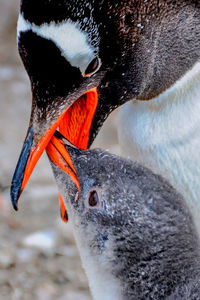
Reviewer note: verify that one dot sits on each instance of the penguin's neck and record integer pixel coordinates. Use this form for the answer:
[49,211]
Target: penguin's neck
[164,135]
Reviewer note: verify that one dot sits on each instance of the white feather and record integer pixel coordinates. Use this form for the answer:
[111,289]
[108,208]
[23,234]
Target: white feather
[164,135]
[22,25]
[67,36]
[103,284]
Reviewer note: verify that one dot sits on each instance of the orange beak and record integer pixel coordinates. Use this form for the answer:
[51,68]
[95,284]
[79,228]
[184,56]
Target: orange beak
[74,124]
[59,155]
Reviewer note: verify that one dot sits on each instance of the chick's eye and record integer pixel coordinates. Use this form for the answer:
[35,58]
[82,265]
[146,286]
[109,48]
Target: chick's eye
[93,67]
[93,199]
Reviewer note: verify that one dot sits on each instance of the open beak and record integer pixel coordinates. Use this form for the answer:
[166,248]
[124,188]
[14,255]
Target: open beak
[59,155]
[74,124]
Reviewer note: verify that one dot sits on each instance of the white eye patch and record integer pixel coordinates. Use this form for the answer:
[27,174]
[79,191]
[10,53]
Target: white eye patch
[67,36]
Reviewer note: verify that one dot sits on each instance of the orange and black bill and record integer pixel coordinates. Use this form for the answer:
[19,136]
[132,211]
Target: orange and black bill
[74,124]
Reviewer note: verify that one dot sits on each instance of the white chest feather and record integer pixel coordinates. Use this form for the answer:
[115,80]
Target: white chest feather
[103,284]
[164,135]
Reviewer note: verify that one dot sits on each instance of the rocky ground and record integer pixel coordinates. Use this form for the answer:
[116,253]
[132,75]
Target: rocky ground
[38,256]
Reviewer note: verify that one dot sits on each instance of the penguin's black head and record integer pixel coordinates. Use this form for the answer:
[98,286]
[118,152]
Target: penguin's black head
[59,45]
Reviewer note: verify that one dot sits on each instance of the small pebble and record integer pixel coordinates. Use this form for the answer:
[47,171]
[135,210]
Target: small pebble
[42,240]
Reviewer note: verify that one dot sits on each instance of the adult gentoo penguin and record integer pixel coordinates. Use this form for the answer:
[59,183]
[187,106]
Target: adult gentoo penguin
[134,232]
[95,55]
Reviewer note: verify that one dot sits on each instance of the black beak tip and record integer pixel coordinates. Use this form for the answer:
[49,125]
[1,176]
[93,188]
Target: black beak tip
[14,194]
[15,207]
[65,218]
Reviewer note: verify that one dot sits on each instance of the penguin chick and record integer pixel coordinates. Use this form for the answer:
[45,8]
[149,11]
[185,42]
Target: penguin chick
[134,232]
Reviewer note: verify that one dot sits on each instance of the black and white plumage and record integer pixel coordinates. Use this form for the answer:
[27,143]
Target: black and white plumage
[138,241]
[147,50]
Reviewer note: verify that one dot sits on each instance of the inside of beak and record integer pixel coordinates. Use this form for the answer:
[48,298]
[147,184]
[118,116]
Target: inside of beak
[74,124]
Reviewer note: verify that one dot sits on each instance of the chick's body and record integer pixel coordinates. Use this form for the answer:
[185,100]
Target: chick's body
[139,241]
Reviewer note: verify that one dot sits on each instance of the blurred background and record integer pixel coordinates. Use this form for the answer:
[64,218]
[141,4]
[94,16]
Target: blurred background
[38,256]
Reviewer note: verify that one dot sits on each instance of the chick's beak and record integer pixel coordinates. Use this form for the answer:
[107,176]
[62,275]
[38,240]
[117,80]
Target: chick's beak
[58,153]
[74,124]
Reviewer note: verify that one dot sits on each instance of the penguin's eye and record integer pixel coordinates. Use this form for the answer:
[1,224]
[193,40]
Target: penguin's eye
[93,67]
[93,199]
